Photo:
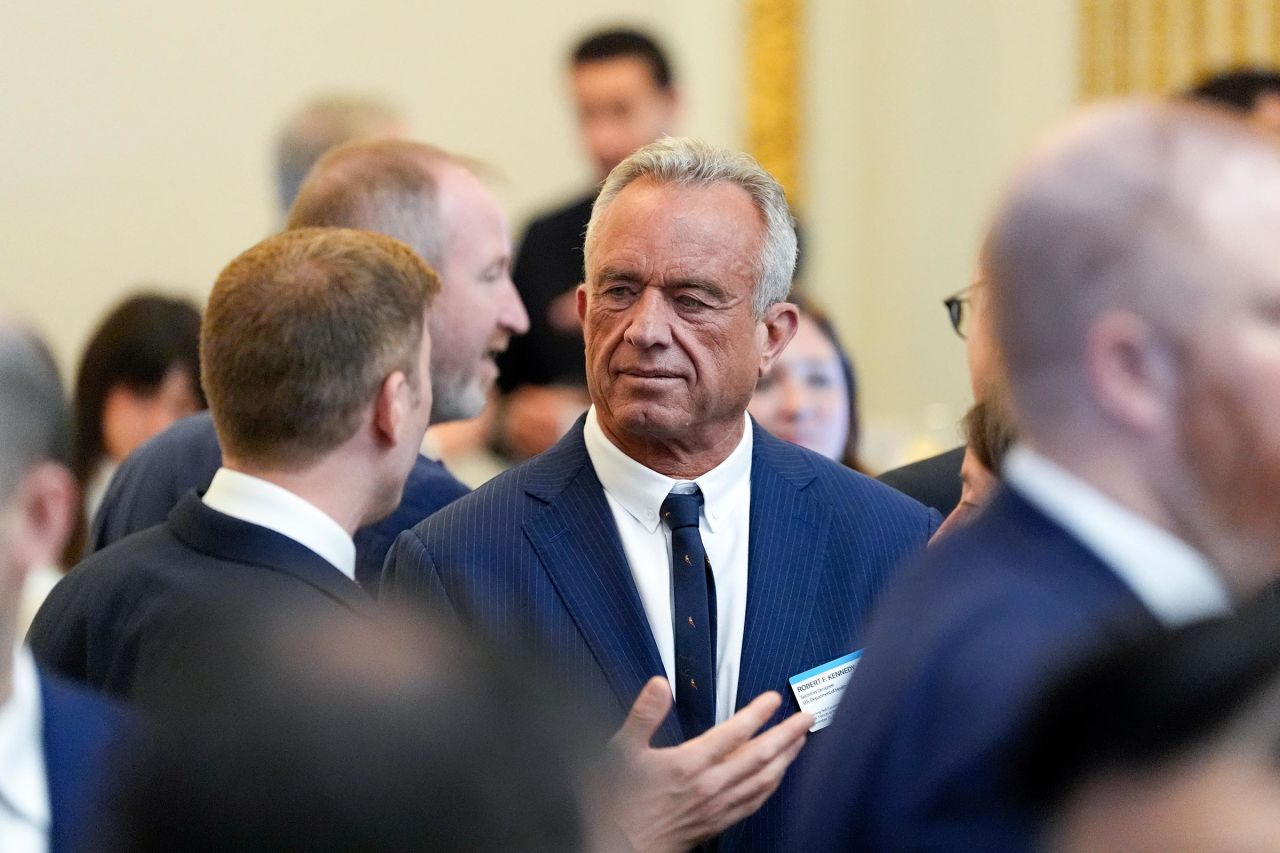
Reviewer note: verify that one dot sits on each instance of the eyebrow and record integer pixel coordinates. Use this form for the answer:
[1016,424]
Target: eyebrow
[627,274]
[712,289]
[609,274]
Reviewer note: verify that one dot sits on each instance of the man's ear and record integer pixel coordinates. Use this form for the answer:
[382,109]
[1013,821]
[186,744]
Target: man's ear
[582,302]
[1133,368]
[391,407]
[779,323]
[43,513]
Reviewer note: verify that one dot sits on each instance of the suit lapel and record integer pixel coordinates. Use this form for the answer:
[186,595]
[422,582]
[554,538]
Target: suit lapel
[785,556]
[230,539]
[577,541]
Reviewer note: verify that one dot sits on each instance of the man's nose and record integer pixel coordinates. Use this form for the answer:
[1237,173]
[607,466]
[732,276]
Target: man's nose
[795,400]
[513,317]
[648,324]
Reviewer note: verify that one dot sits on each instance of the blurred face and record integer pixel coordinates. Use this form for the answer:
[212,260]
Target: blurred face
[803,398]
[131,417]
[620,108]
[1229,412]
[673,346]
[1220,803]
[478,308]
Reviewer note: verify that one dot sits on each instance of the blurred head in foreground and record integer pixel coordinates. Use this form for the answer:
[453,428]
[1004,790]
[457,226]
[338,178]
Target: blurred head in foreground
[37,493]
[320,733]
[1135,294]
[1170,743]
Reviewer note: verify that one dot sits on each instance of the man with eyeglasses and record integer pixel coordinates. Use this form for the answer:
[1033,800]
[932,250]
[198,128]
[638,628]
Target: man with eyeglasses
[936,481]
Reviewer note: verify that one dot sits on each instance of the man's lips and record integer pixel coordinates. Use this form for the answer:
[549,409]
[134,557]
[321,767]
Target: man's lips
[649,373]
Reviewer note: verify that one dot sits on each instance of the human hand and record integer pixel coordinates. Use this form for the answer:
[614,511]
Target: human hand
[672,798]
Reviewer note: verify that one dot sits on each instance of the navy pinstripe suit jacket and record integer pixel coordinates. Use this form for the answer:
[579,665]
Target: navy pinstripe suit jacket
[533,559]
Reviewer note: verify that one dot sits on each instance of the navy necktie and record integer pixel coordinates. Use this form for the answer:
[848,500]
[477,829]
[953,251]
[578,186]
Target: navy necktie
[695,620]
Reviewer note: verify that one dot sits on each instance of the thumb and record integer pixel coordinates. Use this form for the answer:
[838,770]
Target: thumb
[646,715]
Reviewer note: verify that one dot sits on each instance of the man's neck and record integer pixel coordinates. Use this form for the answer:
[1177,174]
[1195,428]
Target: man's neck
[1127,480]
[328,486]
[677,458]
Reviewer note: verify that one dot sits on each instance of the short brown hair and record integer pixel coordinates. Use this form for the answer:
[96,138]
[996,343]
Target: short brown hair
[300,332]
[988,430]
[385,185]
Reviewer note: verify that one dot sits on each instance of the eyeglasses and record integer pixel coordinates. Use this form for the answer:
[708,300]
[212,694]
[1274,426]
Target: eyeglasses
[958,311]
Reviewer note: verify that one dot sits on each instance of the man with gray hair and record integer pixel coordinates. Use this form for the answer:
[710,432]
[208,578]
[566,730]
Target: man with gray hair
[1136,296]
[322,124]
[54,739]
[667,546]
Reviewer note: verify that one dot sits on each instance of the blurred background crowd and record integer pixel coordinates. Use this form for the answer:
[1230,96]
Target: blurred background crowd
[148,145]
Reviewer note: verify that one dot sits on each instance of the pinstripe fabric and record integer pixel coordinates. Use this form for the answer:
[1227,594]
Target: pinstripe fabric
[533,557]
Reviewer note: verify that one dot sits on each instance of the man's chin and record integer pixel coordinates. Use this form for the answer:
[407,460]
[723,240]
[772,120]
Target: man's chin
[649,422]
[457,404]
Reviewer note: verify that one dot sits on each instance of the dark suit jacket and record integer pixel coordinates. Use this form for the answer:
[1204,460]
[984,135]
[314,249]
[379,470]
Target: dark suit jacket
[533,559]
[81,731]
[548,264]
[956,654]
[934,481]
[114,620]
[186,456]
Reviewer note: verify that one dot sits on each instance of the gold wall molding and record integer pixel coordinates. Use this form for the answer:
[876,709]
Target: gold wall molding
[774,36]
[1159,46]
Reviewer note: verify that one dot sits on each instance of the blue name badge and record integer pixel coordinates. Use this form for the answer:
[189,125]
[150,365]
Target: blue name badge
[819,690]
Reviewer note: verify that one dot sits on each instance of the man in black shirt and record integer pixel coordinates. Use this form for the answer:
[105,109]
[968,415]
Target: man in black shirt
[625,98]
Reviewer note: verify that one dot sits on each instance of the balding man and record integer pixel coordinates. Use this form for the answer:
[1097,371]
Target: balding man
[55,740]
[1136,293]
[434,203]
[668,536]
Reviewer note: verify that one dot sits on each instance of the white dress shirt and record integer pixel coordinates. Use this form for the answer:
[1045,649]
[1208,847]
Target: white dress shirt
[267,505]
[24,786]
[635,494]
[1174,581]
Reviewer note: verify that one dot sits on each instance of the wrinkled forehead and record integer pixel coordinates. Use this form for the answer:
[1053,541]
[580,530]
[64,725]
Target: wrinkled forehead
[665,213]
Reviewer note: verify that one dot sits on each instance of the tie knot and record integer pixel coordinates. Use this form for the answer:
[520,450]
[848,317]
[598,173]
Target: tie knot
[682,510]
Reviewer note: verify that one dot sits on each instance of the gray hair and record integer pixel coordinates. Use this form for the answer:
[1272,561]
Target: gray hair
[35,425]
[389,186]
[695,163]
[326,122]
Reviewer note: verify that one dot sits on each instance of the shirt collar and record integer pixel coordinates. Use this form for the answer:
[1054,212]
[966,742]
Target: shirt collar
[642,490]
[1175,582]
[256,501]
[24,787]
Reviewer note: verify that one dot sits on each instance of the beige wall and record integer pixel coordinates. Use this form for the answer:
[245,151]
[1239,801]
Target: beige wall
[138,136]
[919,109]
